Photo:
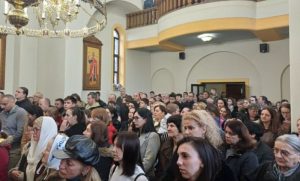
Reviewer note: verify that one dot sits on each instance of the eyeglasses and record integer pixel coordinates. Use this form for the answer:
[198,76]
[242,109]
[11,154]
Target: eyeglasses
[283,153]
[36,130]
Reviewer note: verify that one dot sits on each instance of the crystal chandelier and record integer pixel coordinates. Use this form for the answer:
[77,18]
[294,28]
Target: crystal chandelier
[54,17]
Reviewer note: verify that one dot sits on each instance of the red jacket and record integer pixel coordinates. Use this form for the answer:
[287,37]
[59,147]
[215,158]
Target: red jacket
[4,155]
[111,130]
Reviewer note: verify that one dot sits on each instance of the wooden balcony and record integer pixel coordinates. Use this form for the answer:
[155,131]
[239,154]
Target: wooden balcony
[142,18]
[162,7]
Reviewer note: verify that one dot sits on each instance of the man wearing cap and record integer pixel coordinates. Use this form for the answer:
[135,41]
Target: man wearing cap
[78,159]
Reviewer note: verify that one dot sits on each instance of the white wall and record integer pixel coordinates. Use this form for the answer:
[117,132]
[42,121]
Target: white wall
[138,71]
[12,54]
[51,68]
[20,64]
[240,59]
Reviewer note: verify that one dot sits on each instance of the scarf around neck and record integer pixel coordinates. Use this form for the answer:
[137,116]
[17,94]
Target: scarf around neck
[47,132]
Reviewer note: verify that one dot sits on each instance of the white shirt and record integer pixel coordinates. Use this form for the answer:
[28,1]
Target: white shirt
[116,175]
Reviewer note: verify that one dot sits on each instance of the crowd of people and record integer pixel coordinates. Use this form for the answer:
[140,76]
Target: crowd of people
[147,137]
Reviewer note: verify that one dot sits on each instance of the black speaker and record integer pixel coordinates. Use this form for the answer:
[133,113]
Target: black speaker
[264,48]
[181,55]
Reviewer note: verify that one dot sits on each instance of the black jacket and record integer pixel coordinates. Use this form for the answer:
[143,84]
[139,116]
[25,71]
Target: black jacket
[242,164]
[25,104]
[105,162]
[76,129]
[263,152]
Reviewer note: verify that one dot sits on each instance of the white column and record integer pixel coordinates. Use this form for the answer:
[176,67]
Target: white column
[294,29]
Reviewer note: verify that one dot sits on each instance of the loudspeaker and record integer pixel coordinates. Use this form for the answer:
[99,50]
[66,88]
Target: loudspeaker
[181,55]
[264,48]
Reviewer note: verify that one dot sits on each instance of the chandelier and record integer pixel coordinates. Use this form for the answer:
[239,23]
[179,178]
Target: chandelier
[54,17]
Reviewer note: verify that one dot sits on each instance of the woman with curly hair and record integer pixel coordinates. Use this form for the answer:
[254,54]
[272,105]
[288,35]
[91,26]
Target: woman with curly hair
[202,124]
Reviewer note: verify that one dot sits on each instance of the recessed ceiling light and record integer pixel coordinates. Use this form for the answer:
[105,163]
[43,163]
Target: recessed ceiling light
[206,36]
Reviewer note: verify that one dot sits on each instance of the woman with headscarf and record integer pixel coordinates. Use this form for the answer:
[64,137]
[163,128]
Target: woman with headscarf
[44,129]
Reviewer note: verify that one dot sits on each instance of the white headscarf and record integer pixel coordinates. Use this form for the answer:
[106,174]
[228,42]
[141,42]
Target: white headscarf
[47,132]
[58,144]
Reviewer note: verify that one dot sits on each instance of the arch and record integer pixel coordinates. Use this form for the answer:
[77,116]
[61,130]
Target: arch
[164,79]
[122,58]
[284,77]
[127,5]
[208,66]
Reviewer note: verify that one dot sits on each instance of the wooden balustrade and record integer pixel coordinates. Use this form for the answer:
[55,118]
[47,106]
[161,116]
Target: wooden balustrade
[142,18]
[162,7]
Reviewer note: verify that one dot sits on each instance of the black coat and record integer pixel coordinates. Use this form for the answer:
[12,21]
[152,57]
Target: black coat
[105,163]
[76,129]
[25,104]
[242,164]
[263,152]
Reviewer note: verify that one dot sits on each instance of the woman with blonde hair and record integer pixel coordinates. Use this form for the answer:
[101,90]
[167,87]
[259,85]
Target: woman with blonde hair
[199,106]
[200,123]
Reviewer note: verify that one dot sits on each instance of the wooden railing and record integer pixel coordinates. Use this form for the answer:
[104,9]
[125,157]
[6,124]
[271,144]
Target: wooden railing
[165,6]
[142,18]
[150,16]
[162,7]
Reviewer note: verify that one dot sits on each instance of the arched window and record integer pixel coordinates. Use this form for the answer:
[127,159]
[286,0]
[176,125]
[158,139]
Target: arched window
[118,56]
[116,64]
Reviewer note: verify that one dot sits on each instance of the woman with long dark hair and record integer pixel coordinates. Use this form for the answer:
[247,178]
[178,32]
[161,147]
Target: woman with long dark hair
[198,160]
[75,121]
[269,121]
[284,119]
[126,154]
[149,139]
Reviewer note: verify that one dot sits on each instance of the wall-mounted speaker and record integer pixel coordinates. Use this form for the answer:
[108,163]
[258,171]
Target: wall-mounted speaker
[181,55]
[264,48]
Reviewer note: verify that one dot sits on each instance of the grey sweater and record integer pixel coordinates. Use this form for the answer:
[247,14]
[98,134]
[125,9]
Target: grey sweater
[13,123]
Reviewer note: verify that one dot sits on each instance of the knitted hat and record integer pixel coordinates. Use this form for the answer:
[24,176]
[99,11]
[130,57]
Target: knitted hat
[176,119]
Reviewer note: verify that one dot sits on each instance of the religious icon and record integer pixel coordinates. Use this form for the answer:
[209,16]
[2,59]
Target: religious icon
[92,63]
